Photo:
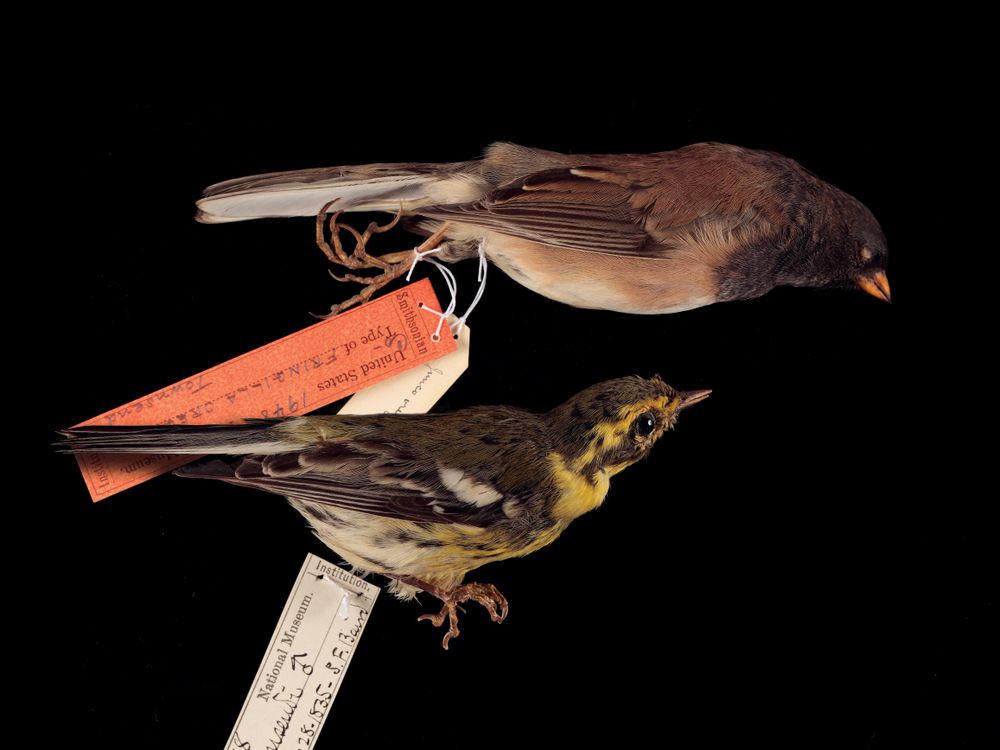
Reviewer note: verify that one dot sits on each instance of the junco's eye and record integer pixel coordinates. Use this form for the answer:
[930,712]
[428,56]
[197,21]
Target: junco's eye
[866,254]
[644,425]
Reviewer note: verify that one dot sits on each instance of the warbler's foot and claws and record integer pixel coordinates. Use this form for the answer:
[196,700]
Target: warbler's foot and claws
[391,265]
[486,594]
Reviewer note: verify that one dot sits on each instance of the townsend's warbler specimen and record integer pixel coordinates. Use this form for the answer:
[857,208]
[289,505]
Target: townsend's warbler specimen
[424,499]
[636,233]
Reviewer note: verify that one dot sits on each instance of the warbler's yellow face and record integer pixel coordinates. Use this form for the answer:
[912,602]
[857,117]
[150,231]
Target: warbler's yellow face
[617,422]
[629,435]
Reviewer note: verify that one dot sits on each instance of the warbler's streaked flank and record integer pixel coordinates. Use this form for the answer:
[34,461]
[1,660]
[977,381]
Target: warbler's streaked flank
[636,233]
[425,499]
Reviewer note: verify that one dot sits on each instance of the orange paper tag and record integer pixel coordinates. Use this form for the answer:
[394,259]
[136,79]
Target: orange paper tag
[294,375]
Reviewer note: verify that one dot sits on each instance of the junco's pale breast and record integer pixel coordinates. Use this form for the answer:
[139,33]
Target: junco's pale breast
[637,233]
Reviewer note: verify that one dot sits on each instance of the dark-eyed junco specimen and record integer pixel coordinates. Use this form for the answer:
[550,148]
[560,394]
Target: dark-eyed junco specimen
[424,499]
[637,233]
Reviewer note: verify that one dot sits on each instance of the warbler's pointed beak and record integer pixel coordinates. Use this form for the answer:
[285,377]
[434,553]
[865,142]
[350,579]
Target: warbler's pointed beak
[877,285]
[692,397]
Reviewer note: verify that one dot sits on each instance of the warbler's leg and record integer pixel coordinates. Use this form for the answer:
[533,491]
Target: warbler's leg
[393,265]
[486,594]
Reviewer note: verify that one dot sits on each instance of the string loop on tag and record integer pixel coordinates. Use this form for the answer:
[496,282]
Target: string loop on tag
[483,267]
[449,279]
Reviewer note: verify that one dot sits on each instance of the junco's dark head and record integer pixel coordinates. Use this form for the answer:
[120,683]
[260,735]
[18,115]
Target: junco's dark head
[852,251]
[866,251]
[832,240]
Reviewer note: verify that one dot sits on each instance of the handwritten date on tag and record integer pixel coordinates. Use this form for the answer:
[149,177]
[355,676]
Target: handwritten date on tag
[305,662]
[294,375]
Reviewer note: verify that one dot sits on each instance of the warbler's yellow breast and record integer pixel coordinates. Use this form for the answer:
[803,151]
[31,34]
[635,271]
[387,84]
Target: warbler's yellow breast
[578,493]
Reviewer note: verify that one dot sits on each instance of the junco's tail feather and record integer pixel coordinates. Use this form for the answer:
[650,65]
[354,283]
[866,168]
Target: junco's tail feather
[374,187]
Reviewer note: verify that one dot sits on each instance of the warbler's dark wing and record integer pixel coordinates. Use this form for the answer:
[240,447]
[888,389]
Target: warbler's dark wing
[371,477]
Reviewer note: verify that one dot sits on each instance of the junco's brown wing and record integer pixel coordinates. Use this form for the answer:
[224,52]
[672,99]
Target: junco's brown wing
[579,209]
[636,233]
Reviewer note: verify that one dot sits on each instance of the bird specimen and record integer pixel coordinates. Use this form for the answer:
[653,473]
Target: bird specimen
[635,233]
[425,499]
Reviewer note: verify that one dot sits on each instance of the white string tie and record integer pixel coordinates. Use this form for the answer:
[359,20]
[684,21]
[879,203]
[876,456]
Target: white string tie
[419,256]
[483,267]
[449,279]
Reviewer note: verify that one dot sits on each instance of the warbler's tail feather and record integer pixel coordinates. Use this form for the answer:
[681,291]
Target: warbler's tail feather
[255,436]
[371,187]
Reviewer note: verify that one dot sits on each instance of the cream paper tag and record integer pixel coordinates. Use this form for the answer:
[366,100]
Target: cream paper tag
[304,664]
[414,391]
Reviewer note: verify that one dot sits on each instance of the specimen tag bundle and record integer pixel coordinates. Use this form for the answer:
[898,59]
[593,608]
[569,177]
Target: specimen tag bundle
[299,373]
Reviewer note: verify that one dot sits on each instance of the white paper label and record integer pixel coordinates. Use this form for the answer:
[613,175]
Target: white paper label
[414,391]
[306,660]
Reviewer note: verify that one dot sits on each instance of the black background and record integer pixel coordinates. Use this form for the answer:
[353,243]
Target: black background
[799,561]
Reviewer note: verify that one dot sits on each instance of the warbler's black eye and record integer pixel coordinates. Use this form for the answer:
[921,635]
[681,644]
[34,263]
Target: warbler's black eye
[645,424]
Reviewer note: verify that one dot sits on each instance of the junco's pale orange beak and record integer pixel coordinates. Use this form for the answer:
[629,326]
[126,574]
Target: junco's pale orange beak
[688,398]
[877,285]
